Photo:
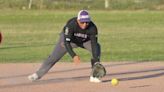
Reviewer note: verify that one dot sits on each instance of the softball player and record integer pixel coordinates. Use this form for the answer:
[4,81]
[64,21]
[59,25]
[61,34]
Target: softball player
[80,32]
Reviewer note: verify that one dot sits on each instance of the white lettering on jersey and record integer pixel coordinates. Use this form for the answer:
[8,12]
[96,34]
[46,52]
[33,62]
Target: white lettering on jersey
[80,35]
[66,31]
[68,39]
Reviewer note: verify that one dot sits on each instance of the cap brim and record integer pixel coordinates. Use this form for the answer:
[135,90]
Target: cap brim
[85,20]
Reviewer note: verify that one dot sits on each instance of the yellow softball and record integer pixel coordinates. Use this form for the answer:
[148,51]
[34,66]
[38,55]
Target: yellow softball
[114,82]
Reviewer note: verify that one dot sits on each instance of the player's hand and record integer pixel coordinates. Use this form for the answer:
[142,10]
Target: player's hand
[76,60]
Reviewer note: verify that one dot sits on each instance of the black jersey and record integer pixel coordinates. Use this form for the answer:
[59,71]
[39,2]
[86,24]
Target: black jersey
[73,33]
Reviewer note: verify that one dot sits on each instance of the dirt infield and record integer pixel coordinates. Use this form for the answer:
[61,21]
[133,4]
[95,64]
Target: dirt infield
[66,77]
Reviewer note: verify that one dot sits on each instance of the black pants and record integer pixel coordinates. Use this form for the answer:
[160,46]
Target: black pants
[59,51]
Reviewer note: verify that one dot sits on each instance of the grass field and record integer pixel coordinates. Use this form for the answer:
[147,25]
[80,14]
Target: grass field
[30,36]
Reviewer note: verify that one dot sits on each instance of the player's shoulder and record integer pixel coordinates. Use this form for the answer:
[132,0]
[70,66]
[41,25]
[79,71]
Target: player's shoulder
[92,28]
[72,20]
[71,23]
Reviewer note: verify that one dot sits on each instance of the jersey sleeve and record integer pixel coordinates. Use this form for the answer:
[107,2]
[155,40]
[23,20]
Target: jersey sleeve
[94,46]
[67,39]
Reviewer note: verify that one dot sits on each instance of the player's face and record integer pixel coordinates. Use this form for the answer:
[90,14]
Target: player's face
[83,25]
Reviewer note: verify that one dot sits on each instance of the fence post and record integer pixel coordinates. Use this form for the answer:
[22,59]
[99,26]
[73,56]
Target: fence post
[106,3]
[29,4]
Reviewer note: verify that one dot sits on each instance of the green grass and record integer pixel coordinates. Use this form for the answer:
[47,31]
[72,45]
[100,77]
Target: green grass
[84,4]
[30,36]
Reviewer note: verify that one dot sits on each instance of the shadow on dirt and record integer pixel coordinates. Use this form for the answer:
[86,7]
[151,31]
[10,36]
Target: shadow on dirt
[157,72]
[138,77]
[73,69]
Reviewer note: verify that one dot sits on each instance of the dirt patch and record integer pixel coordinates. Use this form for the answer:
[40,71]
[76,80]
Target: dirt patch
[67,77]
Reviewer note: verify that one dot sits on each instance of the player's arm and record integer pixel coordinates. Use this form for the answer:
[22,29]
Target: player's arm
[94,46]
[67,39]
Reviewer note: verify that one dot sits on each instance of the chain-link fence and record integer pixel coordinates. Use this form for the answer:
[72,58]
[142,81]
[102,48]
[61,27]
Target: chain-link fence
[83,4]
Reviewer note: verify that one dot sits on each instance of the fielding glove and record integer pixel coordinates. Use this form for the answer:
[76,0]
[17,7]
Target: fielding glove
[98,70]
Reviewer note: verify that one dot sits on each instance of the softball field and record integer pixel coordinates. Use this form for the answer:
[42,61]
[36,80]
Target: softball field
[67,77]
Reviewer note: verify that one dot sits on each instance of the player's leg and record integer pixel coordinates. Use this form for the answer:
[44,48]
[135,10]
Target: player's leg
[58,52]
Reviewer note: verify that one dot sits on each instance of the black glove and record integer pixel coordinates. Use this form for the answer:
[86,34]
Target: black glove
[98,70]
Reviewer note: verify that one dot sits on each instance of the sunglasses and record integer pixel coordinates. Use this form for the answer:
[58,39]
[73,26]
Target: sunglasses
[84,23]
